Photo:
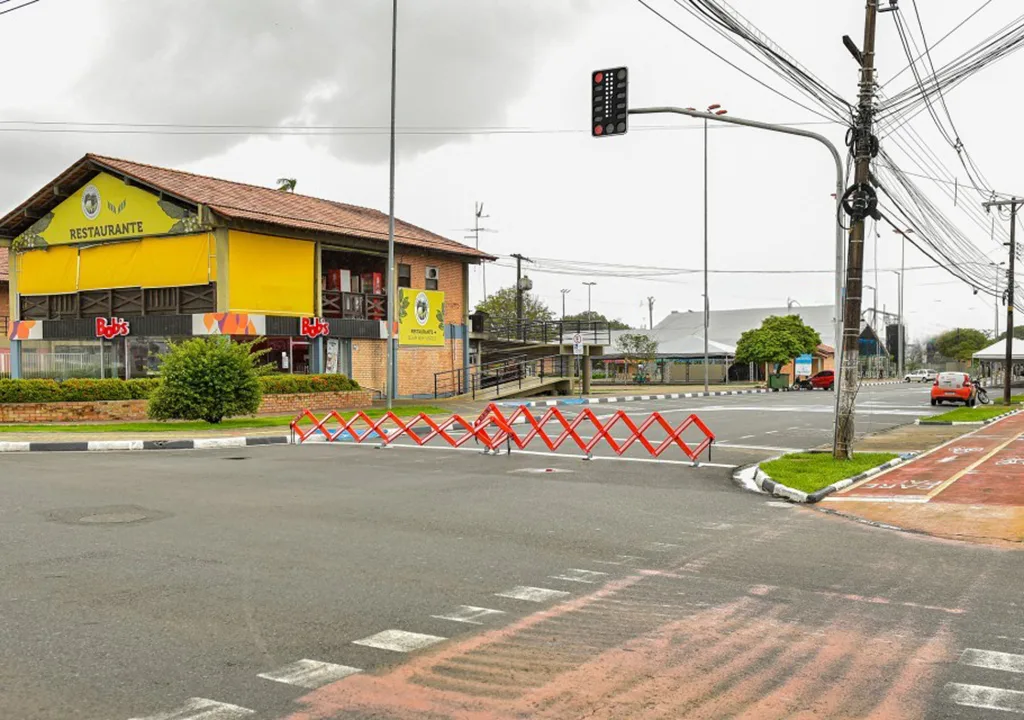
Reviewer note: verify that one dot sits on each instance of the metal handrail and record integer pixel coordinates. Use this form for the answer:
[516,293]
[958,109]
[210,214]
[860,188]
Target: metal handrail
[551,331]
[500,374]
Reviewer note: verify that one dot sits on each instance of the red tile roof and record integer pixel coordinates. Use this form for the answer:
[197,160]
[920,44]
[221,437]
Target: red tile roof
[233,200]
[250,202]
[4,270]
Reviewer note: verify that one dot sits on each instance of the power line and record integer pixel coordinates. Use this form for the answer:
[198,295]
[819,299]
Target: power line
[19,7]
[731,64]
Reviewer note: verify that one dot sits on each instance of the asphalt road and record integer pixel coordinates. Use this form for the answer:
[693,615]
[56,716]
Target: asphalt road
[218,585]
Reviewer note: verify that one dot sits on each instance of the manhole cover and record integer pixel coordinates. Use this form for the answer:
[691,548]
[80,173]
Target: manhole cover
[105,515]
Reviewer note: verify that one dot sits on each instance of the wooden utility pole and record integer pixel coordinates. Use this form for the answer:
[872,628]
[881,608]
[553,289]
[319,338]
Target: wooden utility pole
[861,200]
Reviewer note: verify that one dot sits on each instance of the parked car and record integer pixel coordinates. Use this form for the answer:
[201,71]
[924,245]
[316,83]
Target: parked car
[920,376]
[824,380]
[954,387]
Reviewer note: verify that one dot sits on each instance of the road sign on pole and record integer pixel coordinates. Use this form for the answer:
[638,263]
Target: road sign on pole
[610,114]
[577,344]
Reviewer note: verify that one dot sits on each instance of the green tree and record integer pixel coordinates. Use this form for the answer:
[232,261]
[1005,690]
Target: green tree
[501,307]
[287,184]
[778,340]
[961,343]
[637,348]
[209,379]
[1018,334]
[596,317]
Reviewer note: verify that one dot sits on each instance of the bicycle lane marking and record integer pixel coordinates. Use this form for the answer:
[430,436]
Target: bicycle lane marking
[997,480]
[928,475]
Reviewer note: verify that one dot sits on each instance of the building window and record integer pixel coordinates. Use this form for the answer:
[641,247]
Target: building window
[404,276]
[432,276]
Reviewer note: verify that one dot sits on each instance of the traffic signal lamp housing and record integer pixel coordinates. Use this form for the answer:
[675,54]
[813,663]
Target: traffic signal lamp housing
[611,102]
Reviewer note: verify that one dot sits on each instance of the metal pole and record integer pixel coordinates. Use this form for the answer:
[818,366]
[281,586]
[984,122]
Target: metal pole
[995,303]
[706,255]
[1008,371]
[392,372]
[840,240]
[900,340]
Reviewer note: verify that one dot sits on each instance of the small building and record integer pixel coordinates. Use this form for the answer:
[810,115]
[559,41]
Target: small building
[5,304]
[114,259]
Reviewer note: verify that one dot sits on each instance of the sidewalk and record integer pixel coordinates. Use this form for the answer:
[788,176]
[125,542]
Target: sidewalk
[971,487]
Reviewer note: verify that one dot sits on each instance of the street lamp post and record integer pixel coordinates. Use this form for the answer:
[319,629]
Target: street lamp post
[900,339]
[589,286]
[392,369]
[714,109]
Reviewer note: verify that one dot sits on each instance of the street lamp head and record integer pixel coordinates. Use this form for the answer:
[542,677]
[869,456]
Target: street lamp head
[713,107]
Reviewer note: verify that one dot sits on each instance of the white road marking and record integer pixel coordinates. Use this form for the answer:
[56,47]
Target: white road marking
[202,709]
[469,614]
[533,594]
[771,432]
[988,698]
[769,448]
[399,641]
[309,674]
[580,576]
[776,503]
[951,458]
[623,560]
[747,437]
[664,547]
[991,660]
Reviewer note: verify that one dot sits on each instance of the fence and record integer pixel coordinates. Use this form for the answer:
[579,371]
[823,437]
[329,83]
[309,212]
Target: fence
[551,331]
[501,376]
[494,430]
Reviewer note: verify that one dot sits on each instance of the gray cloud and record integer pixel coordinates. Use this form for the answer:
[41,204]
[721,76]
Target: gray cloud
[462,63]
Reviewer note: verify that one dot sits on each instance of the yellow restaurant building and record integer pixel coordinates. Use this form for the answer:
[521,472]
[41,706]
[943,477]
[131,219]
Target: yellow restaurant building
[113,259]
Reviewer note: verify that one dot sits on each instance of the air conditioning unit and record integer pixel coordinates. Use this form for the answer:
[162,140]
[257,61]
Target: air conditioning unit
[432,273]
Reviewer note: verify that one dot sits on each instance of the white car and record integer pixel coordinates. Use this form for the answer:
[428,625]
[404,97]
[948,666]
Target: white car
[920,376]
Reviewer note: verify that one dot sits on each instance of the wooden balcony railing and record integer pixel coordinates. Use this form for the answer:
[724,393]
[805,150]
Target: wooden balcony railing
[355,306]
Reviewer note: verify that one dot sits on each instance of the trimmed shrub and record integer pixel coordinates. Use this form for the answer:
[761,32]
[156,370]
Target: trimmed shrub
[207,379]
[290,384]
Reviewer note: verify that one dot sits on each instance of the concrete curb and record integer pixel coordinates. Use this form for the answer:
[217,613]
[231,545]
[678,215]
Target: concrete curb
[974,423]
[633,398]
[138,445]
[763,482]
[885,382]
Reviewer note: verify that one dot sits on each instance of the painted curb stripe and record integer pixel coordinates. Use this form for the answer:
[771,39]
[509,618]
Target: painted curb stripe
[137,445]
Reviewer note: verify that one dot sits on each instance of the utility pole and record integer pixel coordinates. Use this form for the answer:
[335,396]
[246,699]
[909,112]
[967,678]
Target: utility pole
[863,202]
[1014,203]
[995,302]
[650,312]
[519,289]
[565,291]
[589,285]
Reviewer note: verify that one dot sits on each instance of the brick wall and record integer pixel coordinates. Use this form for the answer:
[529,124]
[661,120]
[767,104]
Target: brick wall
[5,300]
[449,280]
[369,363]
[133,410]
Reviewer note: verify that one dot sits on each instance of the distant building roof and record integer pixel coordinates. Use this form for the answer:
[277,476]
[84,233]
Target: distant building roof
[234,200]
[726,326]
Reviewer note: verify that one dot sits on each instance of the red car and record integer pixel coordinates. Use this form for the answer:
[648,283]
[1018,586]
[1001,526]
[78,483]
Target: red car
[824,380]
[954,387]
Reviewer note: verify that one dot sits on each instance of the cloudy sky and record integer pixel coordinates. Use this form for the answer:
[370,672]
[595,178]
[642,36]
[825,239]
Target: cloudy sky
[494,107]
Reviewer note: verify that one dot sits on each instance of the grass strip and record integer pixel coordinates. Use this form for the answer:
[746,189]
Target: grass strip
[245,423]
[811,472]
[967,414]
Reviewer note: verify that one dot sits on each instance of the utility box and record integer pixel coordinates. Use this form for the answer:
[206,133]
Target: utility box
[778,382]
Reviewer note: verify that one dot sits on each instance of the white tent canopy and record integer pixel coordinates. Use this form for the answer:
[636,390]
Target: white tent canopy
[997,351]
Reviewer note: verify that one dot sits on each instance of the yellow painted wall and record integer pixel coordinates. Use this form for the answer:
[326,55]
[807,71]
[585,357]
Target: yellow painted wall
[270,275]
[46,272]
[148,263]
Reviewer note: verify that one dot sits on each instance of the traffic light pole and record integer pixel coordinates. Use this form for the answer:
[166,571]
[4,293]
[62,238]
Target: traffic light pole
[840,189]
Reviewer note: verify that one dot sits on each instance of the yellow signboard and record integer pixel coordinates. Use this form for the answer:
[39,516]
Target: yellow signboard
[107,209]
[420,317]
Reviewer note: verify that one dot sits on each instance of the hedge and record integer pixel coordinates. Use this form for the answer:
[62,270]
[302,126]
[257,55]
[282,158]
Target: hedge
[34,391]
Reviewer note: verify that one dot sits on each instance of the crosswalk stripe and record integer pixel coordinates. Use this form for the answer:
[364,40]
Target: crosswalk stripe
[399,641]
[532,594]
[992,660]
[202,709]
[309,674]
[987,698]
[580,576]
[469,614]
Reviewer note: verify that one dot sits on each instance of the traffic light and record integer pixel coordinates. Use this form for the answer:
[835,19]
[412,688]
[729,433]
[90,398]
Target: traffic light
[611,102]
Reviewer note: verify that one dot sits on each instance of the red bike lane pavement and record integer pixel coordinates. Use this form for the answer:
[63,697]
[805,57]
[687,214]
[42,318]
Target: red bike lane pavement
[970,488]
